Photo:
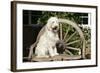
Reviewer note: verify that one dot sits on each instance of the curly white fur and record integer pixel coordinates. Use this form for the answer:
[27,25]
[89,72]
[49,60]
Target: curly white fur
[47,43]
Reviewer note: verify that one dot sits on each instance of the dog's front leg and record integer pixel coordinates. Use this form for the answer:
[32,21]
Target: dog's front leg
[51,51]
[55,51]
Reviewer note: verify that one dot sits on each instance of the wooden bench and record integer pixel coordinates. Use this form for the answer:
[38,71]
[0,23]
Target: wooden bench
[61,57]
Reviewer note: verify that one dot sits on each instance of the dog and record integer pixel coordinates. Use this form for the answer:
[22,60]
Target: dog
[46,46]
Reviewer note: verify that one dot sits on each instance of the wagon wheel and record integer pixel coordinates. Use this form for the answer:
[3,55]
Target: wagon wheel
[72,35]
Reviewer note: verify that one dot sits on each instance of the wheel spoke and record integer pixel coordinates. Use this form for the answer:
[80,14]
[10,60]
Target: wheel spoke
[77,49]
[73,42]
[67,51]
[66,33]
[60,31]
[71,37]
[72,48]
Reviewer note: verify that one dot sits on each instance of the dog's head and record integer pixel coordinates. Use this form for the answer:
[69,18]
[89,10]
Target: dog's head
[53,24]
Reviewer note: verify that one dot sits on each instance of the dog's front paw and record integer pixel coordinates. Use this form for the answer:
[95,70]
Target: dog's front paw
[56,54]
[52,55]
[42,56]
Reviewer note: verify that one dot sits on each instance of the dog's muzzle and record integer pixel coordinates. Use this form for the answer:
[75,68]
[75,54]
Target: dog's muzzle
[55,29]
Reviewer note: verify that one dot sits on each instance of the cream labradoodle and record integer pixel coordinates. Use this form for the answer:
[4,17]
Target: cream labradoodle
[46,47]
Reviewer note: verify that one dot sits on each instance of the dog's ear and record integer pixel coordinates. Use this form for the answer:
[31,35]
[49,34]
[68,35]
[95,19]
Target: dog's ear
[48,26]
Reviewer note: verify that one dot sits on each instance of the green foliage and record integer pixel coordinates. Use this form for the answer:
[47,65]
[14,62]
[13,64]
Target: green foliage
[66,15]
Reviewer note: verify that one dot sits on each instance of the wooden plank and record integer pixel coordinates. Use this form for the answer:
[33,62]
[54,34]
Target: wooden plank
[57,58]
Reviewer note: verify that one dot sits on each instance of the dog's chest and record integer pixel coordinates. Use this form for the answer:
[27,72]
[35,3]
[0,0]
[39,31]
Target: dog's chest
[53,37]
